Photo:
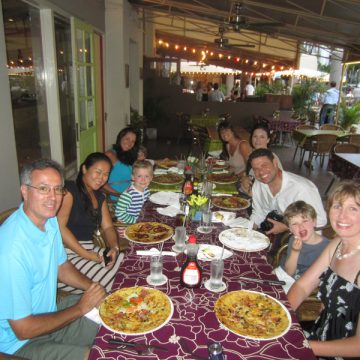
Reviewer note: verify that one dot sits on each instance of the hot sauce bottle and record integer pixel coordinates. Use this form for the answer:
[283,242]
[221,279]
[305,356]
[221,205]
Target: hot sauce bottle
[190,274]
[188,186]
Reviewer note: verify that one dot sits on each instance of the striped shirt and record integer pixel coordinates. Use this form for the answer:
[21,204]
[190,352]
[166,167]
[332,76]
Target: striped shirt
[130,203]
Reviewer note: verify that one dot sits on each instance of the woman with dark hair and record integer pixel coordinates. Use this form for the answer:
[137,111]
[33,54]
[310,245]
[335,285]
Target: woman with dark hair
[236,150]
[123,155]
[84,212]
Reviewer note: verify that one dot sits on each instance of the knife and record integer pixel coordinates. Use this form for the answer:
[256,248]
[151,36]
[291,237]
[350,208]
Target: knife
[263,281]
[137,345]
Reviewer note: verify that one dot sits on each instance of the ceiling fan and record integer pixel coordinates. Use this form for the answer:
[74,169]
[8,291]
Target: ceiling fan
[238,20]
[223,42]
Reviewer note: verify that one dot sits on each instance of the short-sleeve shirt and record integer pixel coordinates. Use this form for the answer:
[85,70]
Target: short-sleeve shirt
[29,263]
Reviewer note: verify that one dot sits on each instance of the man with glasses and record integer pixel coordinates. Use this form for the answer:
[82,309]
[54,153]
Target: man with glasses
[32,259]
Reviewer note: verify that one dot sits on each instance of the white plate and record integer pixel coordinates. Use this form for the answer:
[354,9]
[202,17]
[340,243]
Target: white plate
[256,338]
[222,216]
[241,239]
[209,252]
[164,198]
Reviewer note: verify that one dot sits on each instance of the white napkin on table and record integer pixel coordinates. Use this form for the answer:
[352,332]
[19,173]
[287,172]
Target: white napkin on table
[93,315]
[176,170]
[284,276]
[171,210]
[154,251]
[159,171]
[238,222]
[165,198]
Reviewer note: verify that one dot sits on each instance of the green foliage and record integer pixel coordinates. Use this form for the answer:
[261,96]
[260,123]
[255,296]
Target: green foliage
[349,115]
[154,111]
[137,121]
[324,68]
[263,88]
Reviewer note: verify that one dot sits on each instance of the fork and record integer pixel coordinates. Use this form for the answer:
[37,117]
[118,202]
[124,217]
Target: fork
[144,351]
[186,349]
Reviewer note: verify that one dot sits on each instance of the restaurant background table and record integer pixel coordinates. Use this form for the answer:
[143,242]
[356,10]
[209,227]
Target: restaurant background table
[301,135]
[346,165]
[284,125]
[194,318]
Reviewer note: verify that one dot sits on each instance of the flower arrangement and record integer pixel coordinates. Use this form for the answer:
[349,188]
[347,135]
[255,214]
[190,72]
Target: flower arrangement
[196,202]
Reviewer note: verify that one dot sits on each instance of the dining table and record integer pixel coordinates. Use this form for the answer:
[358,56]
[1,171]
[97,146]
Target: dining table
[282,126]
[346,166]
[301,135]
[194,324]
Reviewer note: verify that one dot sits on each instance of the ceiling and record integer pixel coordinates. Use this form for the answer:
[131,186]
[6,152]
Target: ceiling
[332,23]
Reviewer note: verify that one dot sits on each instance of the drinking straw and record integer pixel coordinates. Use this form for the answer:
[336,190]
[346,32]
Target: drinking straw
[186,213]
[161,248]
[222,252]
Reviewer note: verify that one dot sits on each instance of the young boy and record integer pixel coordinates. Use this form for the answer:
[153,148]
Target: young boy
[132,199]
[305,245]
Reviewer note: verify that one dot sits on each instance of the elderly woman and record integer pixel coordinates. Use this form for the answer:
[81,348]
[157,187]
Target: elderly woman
[123,154]
[336,333]
[236,150]
[84,212]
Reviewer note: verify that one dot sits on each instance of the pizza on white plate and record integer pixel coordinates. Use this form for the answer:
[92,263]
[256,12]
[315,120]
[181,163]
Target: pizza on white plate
[148,232]
[168,179]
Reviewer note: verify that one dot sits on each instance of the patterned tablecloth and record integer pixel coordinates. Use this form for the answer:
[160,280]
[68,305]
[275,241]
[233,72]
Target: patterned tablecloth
[283,125]
[194,318]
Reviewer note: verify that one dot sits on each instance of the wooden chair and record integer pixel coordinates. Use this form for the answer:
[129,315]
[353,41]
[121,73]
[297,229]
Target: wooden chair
[321,145]
[5,214]
[300,143]
[354,139]
[330,127]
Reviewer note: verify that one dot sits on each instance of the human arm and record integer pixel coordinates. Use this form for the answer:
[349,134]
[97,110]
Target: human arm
[293,256]
[278,227]
[68,237]
[122,206]
[245,149]
[37,325]
[246,184]
[109,234]
[69,275]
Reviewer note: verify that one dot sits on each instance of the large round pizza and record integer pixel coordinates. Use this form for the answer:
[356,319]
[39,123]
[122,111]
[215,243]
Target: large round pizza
[148,232]
[136,310]
[166,163]
[252,315]
[230,202]
[223,178]
[168,179]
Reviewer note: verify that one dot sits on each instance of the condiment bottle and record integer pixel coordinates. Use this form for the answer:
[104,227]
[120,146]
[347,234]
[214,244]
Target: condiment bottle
[188,186]
[190,274]
[215,351]
[196,188]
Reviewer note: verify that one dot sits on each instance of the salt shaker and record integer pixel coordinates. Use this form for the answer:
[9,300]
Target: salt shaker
[216,351]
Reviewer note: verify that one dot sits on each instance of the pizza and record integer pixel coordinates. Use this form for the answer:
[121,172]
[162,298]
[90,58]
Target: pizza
[168,179]
[223,178]
[148,232]
[230,202]
[166,163]
[252,314]
[135,310]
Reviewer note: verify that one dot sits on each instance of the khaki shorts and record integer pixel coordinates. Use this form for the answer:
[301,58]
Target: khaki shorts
[69,343]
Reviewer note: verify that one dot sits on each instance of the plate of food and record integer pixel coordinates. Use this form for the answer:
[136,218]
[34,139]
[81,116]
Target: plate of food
[230,202]
[136,310]
[222,216]
[166,163]
[242,239]
[208,252]
[253,315]
[223,178]
[148,232]
[168,179]
[164,198]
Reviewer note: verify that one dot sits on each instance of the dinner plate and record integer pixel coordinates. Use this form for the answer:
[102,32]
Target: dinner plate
[141,332]
[162,179]
[222,216]
[242,239]
[164,198]
[209,252]
[225,202]
[222,178]
[276,304]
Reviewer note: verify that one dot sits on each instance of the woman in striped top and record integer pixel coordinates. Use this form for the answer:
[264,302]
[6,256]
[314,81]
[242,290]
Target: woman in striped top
[130,203]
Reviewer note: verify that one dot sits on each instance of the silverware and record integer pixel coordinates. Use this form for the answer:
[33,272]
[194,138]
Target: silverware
[263,281]
[187,350]
[137,346]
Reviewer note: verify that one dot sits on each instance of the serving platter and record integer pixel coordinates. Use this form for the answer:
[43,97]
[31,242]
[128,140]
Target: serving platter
[148,232]
[168,179]
[230,202]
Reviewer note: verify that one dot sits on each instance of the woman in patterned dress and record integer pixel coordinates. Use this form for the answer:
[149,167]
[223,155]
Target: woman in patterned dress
[336,333]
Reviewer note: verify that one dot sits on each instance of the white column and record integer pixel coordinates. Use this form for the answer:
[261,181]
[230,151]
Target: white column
[336,67]
[229,84]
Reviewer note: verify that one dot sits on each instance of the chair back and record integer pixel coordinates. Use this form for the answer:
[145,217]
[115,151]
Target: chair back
[5,214]
[323,143]
[330,127]
[354,139]
[305,127]
[346,148]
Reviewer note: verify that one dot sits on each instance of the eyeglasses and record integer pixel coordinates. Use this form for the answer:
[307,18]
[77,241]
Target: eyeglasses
[45,189]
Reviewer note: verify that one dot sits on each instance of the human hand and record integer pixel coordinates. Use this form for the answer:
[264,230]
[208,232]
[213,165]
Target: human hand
[246,184]
[113,254]
[94,256]
[297,244]
[278,227]
[91,298]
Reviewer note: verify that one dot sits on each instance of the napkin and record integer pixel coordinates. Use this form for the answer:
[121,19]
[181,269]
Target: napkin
[240,221]
[176,170]
[165,198]
[93,315]
[154,251]
[215,153]
[159,171]
[222,216]
[171,210]
[284,276]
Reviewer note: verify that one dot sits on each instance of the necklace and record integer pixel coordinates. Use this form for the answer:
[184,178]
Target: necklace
[340,256]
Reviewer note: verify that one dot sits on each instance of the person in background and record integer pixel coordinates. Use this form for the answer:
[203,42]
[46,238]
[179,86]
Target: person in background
[236,91]
[216,95]
[84,212]
[142,153]
[123,154]
[336,332]
[199,91]
[305,246]
[32,259]
[356,93]
[132,199]
[249,89]
[330,100]
[236,150]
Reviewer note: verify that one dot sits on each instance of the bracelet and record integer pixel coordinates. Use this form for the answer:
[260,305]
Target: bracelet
[116,248]
[297,250]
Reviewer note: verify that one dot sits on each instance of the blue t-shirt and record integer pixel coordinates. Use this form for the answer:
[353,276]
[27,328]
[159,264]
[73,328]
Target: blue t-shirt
[29,262]
[120,177]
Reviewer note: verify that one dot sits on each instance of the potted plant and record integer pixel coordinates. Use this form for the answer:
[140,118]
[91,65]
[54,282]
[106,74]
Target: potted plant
[349,115]
[138,122]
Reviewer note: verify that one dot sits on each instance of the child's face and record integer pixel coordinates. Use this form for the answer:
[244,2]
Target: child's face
[141,155]
[142,178]
[302,227]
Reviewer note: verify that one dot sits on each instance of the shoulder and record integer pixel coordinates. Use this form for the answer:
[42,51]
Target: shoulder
[112,156]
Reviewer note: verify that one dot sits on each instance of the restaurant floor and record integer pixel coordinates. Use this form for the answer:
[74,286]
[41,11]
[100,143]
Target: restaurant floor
[158,149]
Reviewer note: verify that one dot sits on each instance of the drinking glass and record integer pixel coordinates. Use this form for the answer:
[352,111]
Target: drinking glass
[217,270]
[206,226]
[156,267]
[180,236]
[207,188]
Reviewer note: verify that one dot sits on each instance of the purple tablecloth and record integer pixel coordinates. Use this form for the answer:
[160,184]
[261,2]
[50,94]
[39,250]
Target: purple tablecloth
[193,317]
[283,125]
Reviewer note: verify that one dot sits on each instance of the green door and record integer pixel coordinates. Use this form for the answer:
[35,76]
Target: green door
[85,99]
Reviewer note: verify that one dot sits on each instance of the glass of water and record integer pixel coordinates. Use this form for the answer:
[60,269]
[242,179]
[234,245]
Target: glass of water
[206,226]
[179,237]
[217,271]
[156,268]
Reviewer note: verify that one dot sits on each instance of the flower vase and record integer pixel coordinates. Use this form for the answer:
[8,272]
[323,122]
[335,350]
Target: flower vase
[196,215]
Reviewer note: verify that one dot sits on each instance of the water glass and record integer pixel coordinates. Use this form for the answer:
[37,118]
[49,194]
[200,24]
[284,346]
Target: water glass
[206,220]
[156,267]
[207,188]
[217,270]
[180,236]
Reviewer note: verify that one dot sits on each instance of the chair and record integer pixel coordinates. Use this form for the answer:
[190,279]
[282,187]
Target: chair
[301,143]
[321,145]
[5,214]
[354,139]
[330,127]
[200,139]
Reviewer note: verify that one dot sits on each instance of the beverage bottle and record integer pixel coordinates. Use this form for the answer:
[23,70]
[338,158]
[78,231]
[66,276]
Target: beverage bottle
[188,185]
[215,351]
[190,274]
[196,188]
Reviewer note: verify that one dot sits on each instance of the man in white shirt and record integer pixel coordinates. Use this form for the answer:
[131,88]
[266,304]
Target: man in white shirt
[216,94]
[356,93]
[249,89]
[330,100]
[275,189]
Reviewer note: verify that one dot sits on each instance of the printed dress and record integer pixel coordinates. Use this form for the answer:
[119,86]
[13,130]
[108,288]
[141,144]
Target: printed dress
[340,316]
